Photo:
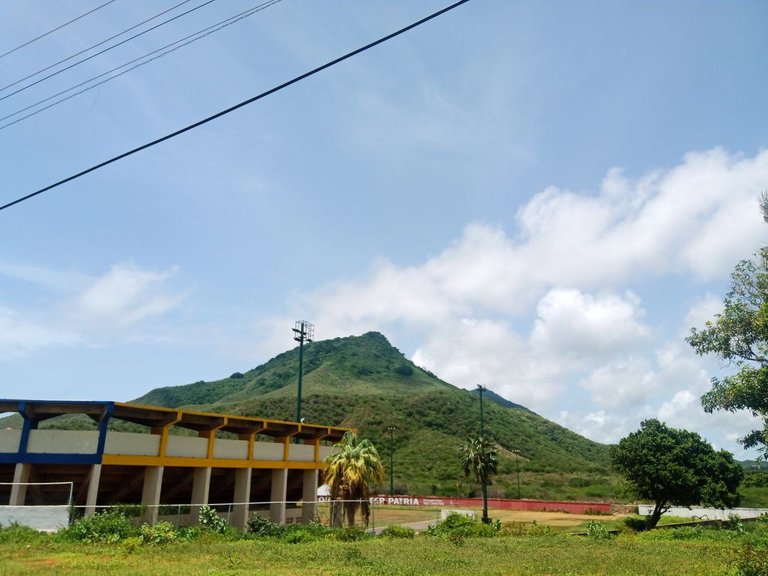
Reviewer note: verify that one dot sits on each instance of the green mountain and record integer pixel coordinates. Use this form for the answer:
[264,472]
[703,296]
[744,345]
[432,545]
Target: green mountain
[365,383]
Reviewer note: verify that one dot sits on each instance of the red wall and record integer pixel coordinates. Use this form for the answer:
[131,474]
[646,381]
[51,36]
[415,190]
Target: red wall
[497,504]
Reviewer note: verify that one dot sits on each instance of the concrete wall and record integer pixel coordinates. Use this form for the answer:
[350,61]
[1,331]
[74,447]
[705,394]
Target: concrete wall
[706,513]
[132,444]
[63,442]
[9,440]
[44,518]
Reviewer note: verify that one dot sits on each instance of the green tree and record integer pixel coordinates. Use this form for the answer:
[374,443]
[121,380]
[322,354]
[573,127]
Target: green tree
[480,458]
[739,335]
[349,471]
[674,467]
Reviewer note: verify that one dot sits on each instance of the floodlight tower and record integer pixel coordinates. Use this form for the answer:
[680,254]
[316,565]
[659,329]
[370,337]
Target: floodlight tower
[391,430]
[304,332]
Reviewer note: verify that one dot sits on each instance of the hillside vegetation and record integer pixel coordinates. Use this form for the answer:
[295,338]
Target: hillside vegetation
[365,383]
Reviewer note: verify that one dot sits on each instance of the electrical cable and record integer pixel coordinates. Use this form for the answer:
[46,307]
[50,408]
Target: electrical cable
[142,60]
[101,51]
[28,42]
[236,106]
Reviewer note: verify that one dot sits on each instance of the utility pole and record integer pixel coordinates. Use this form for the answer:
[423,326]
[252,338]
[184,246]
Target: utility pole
[391,430]
[304,332]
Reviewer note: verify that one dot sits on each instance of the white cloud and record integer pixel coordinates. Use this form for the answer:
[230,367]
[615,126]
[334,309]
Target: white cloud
[572,322]
[77,310]
[20,335]
[544,314]
[125,295]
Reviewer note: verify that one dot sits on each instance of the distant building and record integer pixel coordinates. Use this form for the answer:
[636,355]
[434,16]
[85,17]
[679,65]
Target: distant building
[223,460]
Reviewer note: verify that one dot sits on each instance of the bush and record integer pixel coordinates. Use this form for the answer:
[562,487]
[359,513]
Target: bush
[752,561]
[17,534]
[395,531]
[157,534]
[460,525]
[540,529]
[108,526]
[262,528]
[350,534]
[635,523]
[598,530]
[310,532]
[210,521]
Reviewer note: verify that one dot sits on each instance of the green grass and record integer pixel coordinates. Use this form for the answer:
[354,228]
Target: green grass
[552,555]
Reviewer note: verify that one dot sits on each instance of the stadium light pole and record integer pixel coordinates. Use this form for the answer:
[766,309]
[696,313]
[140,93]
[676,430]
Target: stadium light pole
[486,520]
[391,430]
[304,332]
[516,452]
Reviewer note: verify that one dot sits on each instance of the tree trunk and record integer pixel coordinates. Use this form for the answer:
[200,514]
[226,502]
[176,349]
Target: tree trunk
[653,519]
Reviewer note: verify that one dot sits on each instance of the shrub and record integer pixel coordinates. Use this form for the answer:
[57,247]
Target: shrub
[157,534]
[17,534]
[310,532]
[540,529]
[598,530]
[458,524]
[350,534]
[107,526]
[210,521]
[263,528]
[635,523]
[396,531]
[752,561]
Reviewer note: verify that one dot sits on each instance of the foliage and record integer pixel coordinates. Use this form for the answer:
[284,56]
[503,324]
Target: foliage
[158,534]
[739,335]
[210,521]
[462,525]
[598,530]
[16,533]
[676,467]
[349,471]
[360,382]
[107,526]
[350,534]
[302,533]
[480,457]
[397,531]
[636,523]
[264,528]
[752,561]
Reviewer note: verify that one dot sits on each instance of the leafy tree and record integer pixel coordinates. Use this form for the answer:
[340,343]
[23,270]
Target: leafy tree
[480,458]
[349,471]
[739,335]
[674,467]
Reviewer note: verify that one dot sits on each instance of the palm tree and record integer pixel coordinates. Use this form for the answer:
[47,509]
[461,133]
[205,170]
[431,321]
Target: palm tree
[480,458]
[353,466]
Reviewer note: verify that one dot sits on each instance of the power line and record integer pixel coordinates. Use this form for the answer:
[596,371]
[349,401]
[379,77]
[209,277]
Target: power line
[142,60]
[99,52]
[28,42]
[237,106]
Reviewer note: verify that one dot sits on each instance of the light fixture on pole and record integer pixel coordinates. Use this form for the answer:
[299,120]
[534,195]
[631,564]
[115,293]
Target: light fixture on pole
[304,332]
[391,430]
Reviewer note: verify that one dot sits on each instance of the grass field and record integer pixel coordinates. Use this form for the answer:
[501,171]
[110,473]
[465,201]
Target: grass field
[535,550]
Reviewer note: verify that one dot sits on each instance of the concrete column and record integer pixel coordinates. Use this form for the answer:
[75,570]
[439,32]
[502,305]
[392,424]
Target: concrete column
[201,485]
[150,495]
[278,495]
[242,498]
[19,487]
[93,490]
[309,496]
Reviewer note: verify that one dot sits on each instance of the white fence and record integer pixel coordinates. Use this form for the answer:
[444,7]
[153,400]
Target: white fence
[706,513]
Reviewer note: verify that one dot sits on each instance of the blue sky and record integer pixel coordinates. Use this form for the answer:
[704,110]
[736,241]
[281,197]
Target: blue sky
[541,198]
